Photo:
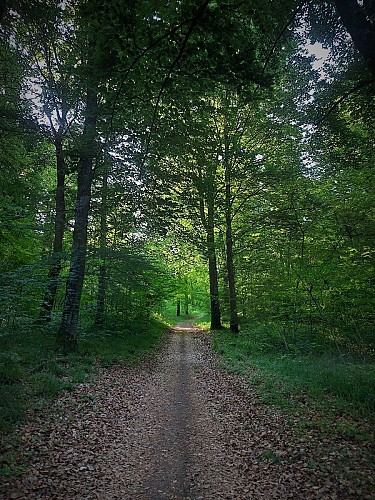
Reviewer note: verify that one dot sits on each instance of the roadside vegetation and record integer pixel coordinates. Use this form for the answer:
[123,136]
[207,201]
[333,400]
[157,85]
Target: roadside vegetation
[329,389]
[32,373]
[158,159]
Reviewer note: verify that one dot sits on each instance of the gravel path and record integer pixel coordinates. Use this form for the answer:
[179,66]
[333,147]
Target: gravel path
[179,428]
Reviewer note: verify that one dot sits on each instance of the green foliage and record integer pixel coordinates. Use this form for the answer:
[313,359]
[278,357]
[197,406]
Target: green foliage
[47,385]
[309,256]
[271,456]
[193,103]
[168,313]
[10,369]
[31,372]
[123,344]
[285,371]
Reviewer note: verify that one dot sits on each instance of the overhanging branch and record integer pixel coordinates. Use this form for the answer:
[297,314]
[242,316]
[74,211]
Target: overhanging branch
[333,106]
[194,22]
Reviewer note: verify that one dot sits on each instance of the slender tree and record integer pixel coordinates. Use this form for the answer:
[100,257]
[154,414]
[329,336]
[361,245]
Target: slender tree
[228,232]
[207,214]
[102,278]
[67,333]
[60,221]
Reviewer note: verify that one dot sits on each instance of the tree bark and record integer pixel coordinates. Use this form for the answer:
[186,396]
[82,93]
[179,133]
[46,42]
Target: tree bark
[186,304]
[212,269]
[67,333]
[234,328]
[208,223]
[360,23]
[102,280]
[60,220]
[233,315]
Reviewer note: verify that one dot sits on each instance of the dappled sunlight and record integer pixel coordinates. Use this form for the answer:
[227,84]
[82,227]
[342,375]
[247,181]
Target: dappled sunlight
[185,328]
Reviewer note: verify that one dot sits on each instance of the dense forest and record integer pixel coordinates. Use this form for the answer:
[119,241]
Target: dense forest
[162,159]
[144,142]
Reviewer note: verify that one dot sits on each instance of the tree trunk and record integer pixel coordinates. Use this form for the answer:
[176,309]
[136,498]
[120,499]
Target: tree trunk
[212,269]
[102,281]
[186,304]
[60,219]
[233,315]
[100,303]
[207,195]
[67,333]
[360,23]
[231,279]
[178,308]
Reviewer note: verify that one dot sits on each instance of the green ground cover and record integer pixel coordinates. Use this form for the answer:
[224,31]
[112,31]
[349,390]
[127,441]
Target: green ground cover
[287,370]
[32,373]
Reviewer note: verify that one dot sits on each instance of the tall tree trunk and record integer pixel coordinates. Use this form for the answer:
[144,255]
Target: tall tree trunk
[67,333]
[186,304]
[60,219]
[178,308]
[212,269]
[359,20]
[206,189]
[233,315]
[102,281]
[231,278]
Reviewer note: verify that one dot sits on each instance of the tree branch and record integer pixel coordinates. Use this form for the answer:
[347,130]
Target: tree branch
[359,24]
[333,106]
[194,22]
[139,57]
[273,48]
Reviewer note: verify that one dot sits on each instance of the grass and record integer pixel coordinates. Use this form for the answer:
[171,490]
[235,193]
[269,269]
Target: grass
[32,373]
[287,372]
[271,456]
[168,314]
[124,346]
[203,321]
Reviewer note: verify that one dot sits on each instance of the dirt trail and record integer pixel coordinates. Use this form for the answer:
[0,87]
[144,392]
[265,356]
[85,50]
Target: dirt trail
[177,428]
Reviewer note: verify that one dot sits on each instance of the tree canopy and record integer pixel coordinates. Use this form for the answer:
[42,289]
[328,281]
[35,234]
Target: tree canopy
[211,154]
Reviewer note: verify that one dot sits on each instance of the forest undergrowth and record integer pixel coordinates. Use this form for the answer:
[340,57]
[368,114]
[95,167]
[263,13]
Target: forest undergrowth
[32,373]
[331,390]
[297,375]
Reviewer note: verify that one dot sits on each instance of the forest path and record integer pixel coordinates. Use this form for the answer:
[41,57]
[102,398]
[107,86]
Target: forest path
[179,427]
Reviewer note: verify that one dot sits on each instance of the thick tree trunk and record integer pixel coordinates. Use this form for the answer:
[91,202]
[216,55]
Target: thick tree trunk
[178,308]
[102,281]
[360,23]
[60,219]
[67,333]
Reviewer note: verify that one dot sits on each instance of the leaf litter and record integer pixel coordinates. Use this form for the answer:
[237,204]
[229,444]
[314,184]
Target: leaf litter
[182,427]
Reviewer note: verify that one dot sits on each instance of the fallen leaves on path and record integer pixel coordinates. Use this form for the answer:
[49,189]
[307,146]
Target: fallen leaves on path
[182,427]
